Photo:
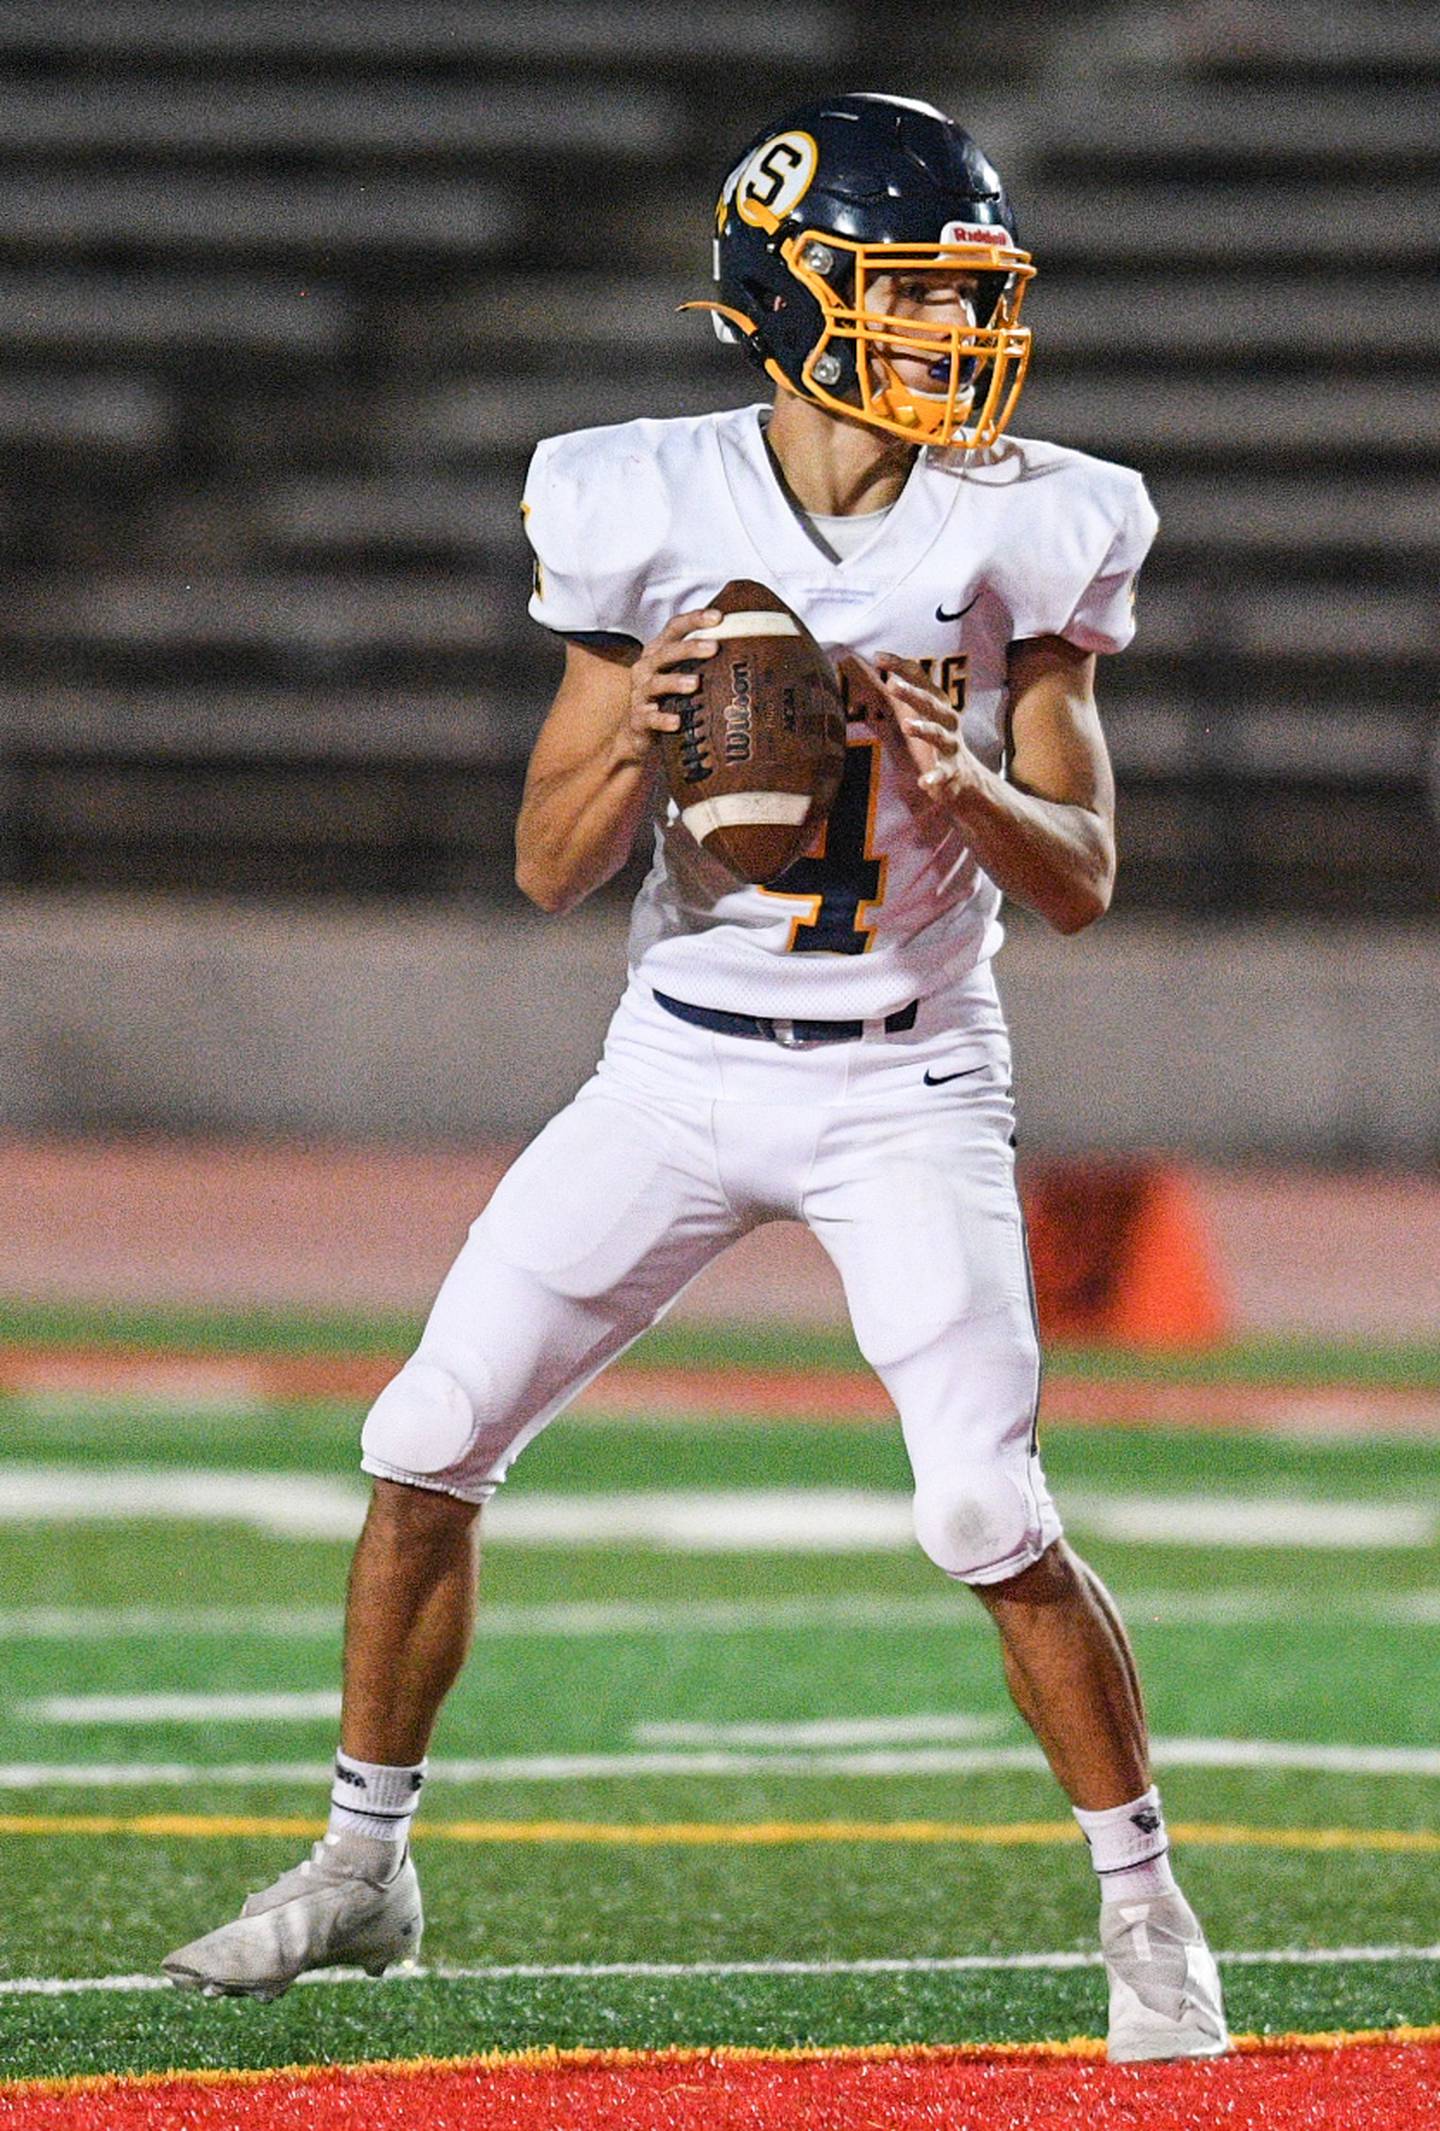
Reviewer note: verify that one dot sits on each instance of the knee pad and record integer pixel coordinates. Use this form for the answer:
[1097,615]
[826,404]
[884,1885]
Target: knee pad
[979,1527]
[422,1422]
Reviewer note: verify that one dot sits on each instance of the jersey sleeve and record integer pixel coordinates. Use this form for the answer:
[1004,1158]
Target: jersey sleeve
[562,599]
[1077,532]
[1104,618]
[599,511]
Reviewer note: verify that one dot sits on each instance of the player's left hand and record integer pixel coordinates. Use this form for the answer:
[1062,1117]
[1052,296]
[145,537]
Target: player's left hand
[929,727]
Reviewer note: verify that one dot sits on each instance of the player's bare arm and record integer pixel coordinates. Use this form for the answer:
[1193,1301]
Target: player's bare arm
[1045,831]
[592,772]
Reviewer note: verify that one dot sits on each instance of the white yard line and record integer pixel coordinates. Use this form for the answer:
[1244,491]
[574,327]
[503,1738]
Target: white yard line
[282,1505]
[839,1520]
[822,1731]
[1313,1759]
[1297,1756]
[1250,1520]
[107,1624]
[718,1521]
[1237,1607]
[579,1971]
[302,1708]
[542,1768]
[819,1520]
[161,1775]
[265,1708]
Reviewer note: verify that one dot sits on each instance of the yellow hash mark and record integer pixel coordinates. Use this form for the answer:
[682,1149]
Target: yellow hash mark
[756,1834]
[1223,1835]
[708,1833]
[550,2058]
[190,1825]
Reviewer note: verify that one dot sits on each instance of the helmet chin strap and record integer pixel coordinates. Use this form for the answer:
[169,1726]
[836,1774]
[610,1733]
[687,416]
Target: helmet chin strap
[740,326]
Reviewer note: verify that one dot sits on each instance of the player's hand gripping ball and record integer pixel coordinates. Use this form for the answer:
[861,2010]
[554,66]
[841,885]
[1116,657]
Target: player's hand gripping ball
[758,757]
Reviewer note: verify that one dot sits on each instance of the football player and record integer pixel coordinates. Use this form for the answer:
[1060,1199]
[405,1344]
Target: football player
[830,1048]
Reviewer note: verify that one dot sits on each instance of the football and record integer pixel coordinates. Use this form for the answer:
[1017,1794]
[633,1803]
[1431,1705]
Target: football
[757,761]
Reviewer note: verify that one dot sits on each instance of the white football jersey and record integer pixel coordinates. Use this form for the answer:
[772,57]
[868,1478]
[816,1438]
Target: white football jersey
[636,523]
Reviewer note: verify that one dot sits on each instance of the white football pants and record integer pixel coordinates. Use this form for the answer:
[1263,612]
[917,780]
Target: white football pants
[681,1142]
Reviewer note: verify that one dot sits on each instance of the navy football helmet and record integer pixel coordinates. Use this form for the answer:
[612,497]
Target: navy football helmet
[857,191]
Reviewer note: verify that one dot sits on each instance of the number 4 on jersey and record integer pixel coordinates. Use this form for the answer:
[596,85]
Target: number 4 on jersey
[843,876]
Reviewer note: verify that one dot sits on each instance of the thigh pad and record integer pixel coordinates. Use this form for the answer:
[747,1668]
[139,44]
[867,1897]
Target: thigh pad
[590,1199]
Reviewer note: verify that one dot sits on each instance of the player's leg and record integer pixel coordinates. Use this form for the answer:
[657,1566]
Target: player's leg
[409,1620]
[592,1232]
[916,1204]
[919,1211]
[1072,1676]
[933,1259]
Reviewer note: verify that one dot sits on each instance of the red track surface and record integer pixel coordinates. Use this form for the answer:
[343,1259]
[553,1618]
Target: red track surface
[763,1394]
[1375,2085]
[329,1227]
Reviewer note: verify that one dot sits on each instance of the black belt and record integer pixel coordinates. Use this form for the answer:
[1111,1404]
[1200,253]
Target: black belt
[787,1033]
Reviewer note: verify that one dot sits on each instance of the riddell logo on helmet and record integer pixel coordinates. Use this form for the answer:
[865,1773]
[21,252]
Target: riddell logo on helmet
[974,233]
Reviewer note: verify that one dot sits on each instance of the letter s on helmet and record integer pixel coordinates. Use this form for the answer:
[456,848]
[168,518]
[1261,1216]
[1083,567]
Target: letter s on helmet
[836,195]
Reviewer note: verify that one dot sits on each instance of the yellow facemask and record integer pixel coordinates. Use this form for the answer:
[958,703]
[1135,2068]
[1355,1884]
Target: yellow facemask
[984,365]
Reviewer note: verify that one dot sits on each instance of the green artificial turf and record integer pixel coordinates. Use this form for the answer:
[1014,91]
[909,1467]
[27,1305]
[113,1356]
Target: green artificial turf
[358,2021]
[1312,1658]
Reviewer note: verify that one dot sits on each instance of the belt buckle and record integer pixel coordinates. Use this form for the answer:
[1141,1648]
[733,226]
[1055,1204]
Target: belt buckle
[783,1033]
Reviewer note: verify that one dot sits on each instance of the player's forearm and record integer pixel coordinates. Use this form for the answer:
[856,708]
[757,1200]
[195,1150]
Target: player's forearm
[578,825]
[1056,858]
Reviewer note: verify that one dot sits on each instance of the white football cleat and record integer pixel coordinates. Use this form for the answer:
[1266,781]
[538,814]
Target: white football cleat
[1165,1998]
[337,1908]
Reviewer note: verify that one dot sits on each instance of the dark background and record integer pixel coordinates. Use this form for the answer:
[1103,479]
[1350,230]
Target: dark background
[288,292]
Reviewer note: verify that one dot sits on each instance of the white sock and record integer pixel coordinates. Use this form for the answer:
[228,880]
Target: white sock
[1129,1849]
[368,1798]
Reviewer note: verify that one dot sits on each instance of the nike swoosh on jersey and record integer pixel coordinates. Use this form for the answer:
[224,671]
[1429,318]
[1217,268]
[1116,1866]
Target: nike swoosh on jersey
[938,1080]
[941,614]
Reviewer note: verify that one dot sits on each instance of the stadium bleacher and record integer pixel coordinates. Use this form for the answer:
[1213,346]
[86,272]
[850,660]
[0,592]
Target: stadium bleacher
[286,294]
